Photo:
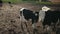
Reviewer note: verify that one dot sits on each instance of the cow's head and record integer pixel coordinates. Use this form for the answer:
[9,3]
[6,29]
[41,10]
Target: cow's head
[45,8]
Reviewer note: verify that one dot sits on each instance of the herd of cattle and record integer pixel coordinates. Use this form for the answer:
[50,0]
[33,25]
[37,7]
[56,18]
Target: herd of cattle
[46,16]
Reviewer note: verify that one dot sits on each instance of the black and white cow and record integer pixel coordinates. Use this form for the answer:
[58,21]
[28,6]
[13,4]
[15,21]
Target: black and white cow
[49,17]
[28,14]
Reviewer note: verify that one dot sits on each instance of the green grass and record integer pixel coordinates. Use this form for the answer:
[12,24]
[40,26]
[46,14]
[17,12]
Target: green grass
[49,3]
[12,1]
[20,1]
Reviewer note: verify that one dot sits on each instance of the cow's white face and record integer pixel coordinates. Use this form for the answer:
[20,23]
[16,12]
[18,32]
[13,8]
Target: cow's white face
[45,8]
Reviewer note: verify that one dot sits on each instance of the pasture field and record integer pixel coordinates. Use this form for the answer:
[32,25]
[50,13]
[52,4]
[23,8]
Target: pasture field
[10,20]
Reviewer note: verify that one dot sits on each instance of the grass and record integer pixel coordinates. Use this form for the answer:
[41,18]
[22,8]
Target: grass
[12,1]
[20,1]
[44,3]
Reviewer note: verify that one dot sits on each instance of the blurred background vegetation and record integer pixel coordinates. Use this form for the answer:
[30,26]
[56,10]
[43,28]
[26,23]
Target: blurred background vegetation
[28,1]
